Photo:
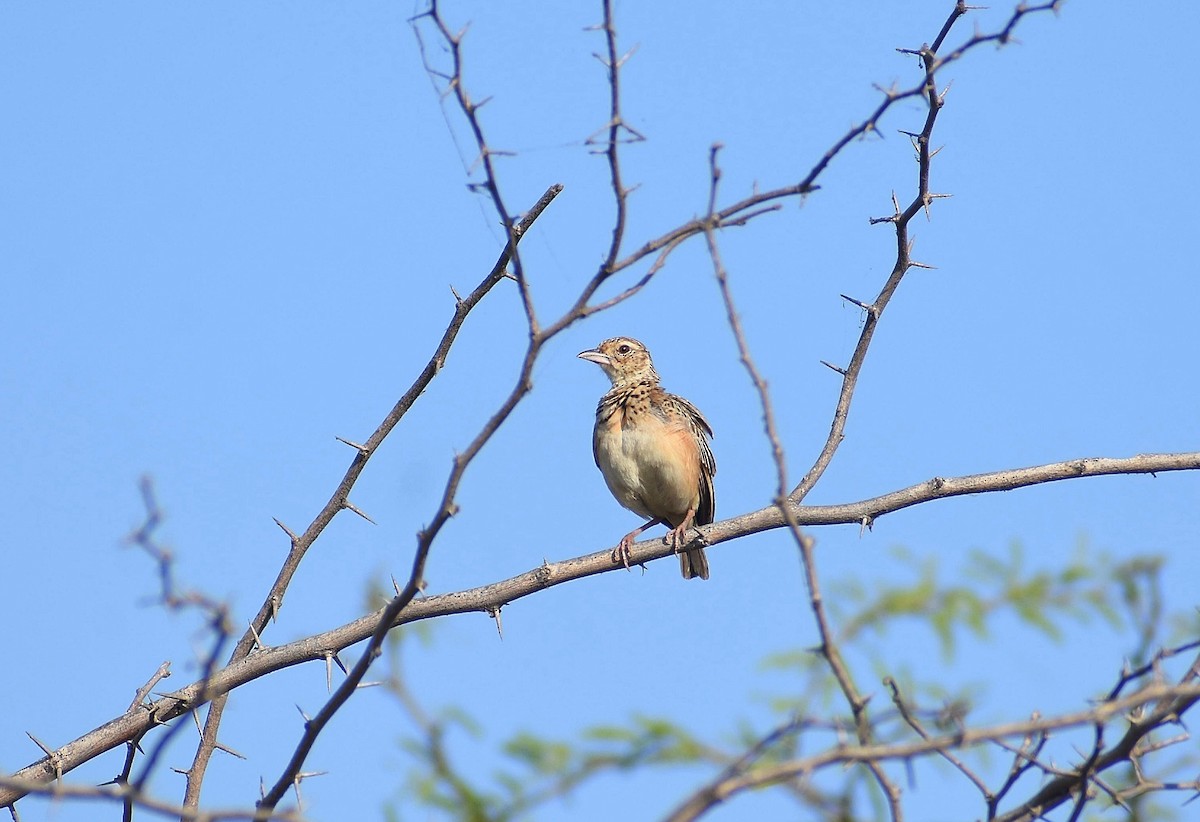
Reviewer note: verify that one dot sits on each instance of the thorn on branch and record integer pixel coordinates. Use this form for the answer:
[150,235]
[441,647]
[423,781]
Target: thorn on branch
[300,777]
[361,449]
[494,613]
[838,369]
[867,307]
[45,748]
[624,57]
[54,757]
[889,93]
[220,746]
[421,586]
[349,506]
[896,212]
[258,643]
[291,534]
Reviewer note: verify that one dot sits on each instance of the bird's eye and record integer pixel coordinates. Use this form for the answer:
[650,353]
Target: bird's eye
[624,349]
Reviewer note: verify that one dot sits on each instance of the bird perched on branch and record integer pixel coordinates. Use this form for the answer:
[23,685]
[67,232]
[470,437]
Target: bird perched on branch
[652,448]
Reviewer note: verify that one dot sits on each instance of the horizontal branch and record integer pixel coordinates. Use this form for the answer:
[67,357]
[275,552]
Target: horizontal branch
[120,793]
[490,598]
[1172,699]
[1007,480]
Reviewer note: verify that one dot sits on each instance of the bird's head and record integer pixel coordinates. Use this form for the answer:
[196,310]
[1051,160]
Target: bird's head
[625,360]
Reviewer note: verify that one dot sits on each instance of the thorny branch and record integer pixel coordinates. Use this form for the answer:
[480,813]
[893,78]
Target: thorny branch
[828,646]
[447,506]
[127,795]
[1148,708]
[932,62]
[804,543]
[616,124]
[339,501]
[425,537]
[1167,708]
[457,88]
[217,615]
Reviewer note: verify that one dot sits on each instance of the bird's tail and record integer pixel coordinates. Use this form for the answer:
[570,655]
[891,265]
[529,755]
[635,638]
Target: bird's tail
[693,564]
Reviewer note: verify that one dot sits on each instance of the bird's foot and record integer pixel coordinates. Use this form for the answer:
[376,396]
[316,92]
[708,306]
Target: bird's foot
[620,554]
[677,537]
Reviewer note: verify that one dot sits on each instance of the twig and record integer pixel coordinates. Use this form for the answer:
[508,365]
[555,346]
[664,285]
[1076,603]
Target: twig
[127,795]
[829,648]
[415,584]
[915,724]
[1179,694]
[300,545]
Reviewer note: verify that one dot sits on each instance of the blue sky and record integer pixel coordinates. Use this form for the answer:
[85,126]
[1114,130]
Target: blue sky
[229,234]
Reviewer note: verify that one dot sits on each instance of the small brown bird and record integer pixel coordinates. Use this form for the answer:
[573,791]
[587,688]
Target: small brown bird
[652,448]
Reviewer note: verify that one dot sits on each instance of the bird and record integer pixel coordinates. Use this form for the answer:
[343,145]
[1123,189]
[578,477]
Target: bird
[652,448]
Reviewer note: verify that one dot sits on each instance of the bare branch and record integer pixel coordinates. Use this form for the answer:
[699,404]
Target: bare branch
[1180,695]
[129,796]
[456,87]
[804,543]
[611,146]
[416,583]
[251,639]
[903,262]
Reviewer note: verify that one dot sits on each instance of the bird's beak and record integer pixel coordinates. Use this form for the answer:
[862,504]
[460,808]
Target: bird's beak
[592,355]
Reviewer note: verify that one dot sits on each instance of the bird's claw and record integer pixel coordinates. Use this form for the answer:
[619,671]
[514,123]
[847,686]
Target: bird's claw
[677,538]
[620,554]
